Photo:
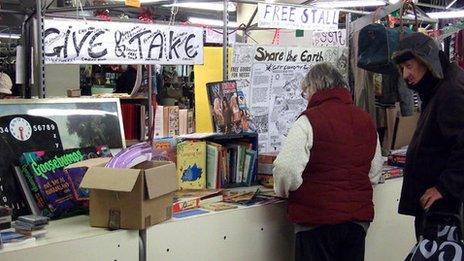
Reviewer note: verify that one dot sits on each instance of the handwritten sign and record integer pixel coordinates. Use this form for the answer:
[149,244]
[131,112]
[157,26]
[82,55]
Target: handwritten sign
[269,53]
[329,39]
[297,17]
[91,42]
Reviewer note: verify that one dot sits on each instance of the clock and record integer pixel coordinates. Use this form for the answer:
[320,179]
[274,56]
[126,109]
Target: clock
[20,129]
[19,134]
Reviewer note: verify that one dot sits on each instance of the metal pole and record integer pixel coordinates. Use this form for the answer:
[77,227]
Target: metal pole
[225,34]
[40,50]
[150,103]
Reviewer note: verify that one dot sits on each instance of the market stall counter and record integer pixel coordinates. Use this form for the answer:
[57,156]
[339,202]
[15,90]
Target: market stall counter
[72,239]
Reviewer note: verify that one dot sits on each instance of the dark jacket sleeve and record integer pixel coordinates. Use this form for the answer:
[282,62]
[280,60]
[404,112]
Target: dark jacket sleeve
[451,124]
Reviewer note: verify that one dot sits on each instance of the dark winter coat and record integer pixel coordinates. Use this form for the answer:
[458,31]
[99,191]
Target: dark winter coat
[435,156]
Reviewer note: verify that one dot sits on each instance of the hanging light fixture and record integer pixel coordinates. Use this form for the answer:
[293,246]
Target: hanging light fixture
[447,14]
[348,3]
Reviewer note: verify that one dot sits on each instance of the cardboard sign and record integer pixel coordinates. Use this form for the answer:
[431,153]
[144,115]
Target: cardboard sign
[297,17]
[91,42]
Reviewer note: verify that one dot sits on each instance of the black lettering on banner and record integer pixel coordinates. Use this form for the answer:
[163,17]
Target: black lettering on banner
[56,50]
[305,16]
[275,17]
[314,11]
[78,47]
[321,18]
[173,46]
[267,10]
[119,49]
[92,45]
[260,56]
[291,18]
[284,13]
[65,51]
[138,37]
[189,47]
[159,46]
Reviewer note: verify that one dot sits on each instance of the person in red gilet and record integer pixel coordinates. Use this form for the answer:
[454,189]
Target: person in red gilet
[327,166]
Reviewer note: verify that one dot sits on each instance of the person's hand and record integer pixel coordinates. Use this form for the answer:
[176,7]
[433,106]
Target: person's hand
[430,196]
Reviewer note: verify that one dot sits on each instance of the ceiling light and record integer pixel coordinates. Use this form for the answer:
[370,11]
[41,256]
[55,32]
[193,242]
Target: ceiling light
[143,1]
[10,36]
[210,22]
[204,6]
[393,1]
[349,3]
[448,14]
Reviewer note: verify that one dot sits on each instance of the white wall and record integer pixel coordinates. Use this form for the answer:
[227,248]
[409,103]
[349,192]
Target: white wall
[59,78]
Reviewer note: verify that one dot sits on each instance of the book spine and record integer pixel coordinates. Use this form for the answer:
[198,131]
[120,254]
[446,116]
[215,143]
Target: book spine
[34,187]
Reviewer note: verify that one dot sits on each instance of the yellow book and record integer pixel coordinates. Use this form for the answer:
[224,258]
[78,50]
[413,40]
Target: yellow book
[191,164]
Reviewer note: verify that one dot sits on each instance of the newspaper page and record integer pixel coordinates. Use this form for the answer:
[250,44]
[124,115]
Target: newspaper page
[272,84]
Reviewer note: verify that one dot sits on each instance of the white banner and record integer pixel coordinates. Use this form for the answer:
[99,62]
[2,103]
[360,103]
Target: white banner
[329,39]
[270,76]
[297,17]
[91,42]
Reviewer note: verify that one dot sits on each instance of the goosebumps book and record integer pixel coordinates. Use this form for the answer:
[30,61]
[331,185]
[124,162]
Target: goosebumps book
[55,190]
[191,164]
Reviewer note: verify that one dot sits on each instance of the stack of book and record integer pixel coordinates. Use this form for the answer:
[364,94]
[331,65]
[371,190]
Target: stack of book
[5,217]
[390,172]
[31,225]
[170,121]
[397,158]
[190,199]
[230,164]
[265,166]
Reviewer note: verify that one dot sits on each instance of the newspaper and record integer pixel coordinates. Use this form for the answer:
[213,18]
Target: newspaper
[270,77]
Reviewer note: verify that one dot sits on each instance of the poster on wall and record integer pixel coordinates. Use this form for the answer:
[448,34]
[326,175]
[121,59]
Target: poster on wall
[51,124]
[297,17]
[329,39]
[96,42]
[271,77]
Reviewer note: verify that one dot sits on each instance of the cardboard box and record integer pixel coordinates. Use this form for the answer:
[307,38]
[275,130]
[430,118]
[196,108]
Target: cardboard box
[134,198]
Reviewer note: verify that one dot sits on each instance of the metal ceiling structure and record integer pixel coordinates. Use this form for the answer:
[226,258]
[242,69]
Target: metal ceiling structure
[15,18]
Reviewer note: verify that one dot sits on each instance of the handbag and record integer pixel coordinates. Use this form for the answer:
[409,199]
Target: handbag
[377,43]
[443,241]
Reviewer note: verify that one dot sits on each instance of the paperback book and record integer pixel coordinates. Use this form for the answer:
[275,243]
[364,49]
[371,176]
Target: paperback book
[55,190]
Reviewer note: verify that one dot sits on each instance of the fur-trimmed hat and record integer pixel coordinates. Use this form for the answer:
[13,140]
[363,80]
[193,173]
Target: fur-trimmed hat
[423,48]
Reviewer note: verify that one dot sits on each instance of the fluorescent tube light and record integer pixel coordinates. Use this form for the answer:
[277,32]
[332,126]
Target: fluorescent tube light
[143,1]
[210,22]
[348,3]
[205,6]
[447,14]
[10,36]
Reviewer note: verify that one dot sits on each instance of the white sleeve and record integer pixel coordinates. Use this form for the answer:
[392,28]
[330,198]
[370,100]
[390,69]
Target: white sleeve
[376,164]
[293,157]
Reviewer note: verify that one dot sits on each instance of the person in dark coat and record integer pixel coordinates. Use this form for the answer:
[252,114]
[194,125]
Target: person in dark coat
[434,173]
[125,83]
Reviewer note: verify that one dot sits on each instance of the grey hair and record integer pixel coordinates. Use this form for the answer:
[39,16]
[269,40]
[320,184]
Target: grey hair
[323,76]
